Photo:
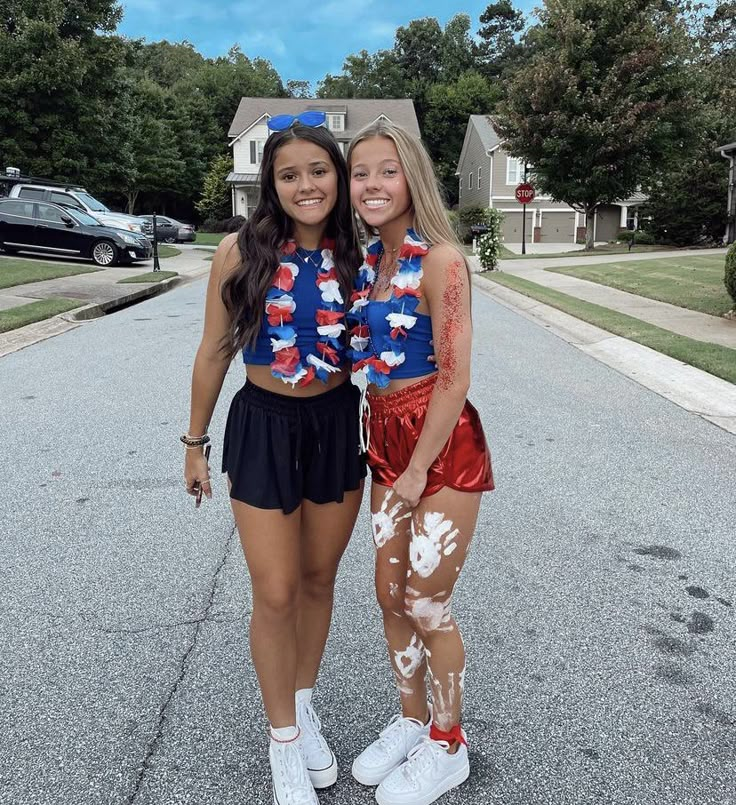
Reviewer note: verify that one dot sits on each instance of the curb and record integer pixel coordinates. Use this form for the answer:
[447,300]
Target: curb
[694,390]
[95,310]
[15,340]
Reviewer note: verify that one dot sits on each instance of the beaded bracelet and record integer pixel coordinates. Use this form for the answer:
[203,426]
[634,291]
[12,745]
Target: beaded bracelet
[194,441]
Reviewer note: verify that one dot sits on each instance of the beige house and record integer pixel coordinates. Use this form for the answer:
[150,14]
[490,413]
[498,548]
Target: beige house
[248,133]
[488,176]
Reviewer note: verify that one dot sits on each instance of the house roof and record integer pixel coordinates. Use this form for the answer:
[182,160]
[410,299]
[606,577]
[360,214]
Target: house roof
[488,137]
[486,132]
[360,112]
[729,147]
[635,198]
[242,178]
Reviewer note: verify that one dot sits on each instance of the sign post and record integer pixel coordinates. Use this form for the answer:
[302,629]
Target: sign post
[524,195]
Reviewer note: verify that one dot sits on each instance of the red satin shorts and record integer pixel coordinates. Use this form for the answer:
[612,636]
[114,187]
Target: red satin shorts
[396,420]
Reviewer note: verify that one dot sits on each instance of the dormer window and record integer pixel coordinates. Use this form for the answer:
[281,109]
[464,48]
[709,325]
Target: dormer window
[336,122]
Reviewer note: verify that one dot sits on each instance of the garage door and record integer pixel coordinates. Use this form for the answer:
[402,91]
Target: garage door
[511,227]
[558,227]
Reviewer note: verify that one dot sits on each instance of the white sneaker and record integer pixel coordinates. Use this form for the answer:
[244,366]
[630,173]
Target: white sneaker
[291,783]
[320,759]
[389,750]
[429,772]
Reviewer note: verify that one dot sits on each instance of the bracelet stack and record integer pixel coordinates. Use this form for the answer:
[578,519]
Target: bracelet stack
[192,442]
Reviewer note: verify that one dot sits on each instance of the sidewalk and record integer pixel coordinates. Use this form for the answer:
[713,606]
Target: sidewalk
[100,290]
[690,323]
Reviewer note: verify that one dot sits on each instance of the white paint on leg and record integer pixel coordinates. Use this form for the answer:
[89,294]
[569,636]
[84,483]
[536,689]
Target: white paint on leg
[385,520]
[393,589]
[393,561]
[434,537]
[411,658]
[430,615]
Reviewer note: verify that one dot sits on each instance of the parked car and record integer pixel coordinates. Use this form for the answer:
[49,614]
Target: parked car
[169,230]
[30,226]
[79,199]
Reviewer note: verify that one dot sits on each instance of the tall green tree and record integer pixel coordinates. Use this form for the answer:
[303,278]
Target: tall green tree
[687,196]
[216,199]
[449,106]
[603,100]
[61,74]
[500,35]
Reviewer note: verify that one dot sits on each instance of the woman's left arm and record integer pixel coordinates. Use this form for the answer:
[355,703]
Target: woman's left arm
[446,287]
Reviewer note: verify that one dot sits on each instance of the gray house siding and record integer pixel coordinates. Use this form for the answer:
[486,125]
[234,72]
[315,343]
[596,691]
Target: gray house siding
[475,157]
[608,222]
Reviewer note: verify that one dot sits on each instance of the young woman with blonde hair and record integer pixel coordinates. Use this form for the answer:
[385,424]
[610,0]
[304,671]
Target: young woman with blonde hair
[427,452]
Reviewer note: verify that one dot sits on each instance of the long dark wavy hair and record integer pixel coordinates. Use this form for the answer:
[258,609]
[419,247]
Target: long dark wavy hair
[259,239]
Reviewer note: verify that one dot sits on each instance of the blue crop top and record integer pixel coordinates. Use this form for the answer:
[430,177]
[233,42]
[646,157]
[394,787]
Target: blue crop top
[416,344]
[308,299]
[389,339]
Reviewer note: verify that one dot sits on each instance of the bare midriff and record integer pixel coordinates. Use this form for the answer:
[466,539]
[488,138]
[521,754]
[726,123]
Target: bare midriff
[261,376]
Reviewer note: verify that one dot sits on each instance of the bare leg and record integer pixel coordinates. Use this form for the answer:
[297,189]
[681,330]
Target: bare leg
[441,530]
[270,541]
[392,534]
[326,530]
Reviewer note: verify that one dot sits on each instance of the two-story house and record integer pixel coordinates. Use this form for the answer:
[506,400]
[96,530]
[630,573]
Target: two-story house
[248,133]
[488,176]
[729,152]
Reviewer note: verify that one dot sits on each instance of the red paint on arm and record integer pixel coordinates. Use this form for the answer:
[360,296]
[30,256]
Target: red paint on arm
[452,323]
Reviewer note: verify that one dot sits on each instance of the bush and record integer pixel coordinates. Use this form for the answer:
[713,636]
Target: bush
[223,224]
[729,280]
[472,216]
[489,245]
[641,237]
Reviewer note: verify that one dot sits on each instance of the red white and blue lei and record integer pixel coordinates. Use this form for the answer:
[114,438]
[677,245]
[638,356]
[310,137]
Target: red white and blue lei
[377,360]
[280,306]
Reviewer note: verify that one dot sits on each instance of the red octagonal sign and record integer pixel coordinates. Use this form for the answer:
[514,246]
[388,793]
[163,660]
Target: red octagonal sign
[524,193]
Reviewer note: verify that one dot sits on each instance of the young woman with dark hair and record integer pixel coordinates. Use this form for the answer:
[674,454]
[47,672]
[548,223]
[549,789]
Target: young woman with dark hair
[427,452]
[291,451]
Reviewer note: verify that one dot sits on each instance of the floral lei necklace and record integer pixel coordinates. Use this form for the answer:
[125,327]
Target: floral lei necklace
[280,306]
[375,363]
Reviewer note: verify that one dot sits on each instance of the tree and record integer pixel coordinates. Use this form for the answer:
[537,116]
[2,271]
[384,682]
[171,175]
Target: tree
[60,75]
[448,108]
[298,89]
[216,201]
[501,27]
[603,100]
[688,194]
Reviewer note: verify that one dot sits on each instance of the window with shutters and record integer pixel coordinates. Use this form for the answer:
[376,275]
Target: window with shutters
[256,151]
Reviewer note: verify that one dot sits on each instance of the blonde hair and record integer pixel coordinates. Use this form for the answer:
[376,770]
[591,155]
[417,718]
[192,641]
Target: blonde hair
[430,217]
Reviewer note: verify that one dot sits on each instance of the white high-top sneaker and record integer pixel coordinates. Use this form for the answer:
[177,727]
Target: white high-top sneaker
[291,783]
[320,759]
[389,750]
[429,772]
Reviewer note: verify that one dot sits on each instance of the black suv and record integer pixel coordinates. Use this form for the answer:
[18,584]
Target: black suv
[36,226]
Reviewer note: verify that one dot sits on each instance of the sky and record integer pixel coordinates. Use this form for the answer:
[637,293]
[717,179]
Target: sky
[303,40]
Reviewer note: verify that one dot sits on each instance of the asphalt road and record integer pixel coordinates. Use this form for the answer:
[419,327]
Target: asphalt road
[597,603]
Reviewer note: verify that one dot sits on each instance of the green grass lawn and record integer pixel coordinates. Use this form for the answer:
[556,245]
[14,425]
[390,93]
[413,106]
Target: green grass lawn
[713,358]
[167,251]
[150,276]
[14,271]
[690,282]
[35,311]
[210,238]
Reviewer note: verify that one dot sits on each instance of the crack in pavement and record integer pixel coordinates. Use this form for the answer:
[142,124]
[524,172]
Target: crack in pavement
[153,744]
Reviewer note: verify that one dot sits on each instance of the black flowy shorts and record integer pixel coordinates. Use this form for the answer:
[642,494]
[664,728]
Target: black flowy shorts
[280,450]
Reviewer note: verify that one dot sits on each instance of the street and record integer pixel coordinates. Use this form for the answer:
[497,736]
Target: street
[597,604]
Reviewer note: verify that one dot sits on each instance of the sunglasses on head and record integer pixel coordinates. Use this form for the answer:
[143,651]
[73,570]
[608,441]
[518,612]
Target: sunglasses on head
[283,122]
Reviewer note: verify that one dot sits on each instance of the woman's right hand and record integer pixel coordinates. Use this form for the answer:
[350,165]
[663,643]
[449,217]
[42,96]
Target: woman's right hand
[197,472]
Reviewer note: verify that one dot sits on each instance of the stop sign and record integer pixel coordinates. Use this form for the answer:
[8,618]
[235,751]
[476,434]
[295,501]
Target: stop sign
[524,193]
